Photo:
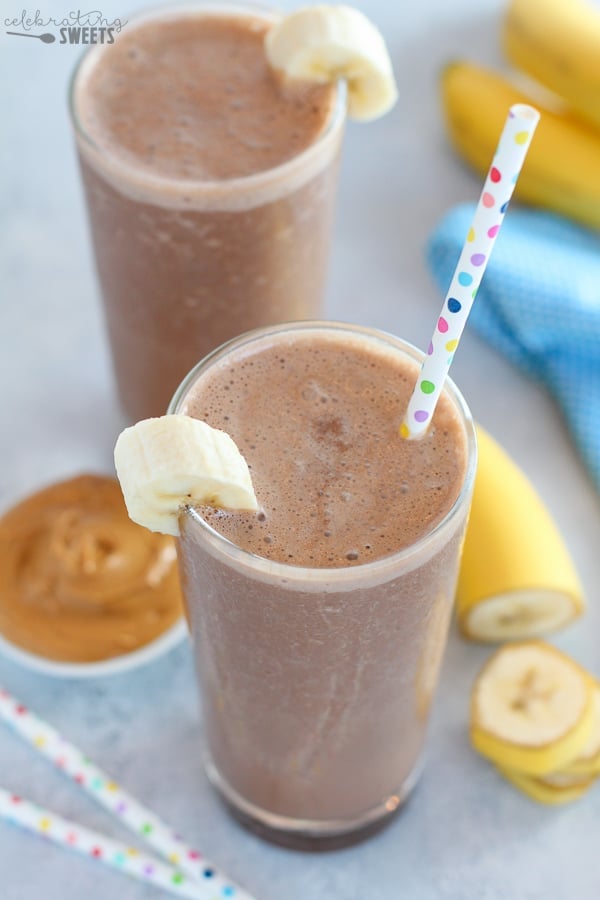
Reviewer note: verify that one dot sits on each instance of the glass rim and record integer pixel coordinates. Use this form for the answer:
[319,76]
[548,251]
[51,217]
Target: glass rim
[335,120]
[376,569]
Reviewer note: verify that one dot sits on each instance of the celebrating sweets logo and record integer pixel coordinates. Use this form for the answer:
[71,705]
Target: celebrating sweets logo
[76,27]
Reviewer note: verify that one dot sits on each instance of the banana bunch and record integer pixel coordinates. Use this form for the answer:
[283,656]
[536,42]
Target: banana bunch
[558,43]
[535,713]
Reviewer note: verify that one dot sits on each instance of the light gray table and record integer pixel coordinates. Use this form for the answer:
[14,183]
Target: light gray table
[466,835]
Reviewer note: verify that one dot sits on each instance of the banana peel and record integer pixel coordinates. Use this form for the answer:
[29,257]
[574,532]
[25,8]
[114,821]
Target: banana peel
[562,169]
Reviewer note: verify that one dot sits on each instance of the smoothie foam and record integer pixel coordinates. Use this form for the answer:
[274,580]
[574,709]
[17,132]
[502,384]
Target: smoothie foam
[337,484]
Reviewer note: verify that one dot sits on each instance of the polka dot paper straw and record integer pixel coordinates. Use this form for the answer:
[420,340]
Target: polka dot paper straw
[18,811]
[497,191]
[105,791]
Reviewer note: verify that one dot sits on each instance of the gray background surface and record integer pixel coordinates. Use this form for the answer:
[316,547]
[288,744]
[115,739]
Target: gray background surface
[466,835]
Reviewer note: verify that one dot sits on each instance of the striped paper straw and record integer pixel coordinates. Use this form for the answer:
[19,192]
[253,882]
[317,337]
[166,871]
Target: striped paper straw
[127,860]
[497,191]
[105,791]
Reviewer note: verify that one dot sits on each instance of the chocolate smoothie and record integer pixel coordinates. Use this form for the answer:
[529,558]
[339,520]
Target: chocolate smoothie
[319,624]
[210,189]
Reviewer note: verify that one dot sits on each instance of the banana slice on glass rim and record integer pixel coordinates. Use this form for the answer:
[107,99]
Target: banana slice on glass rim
[170,462]
[532,708]
[326,43]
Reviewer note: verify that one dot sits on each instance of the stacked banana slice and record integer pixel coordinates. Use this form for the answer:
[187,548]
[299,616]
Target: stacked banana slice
[535,713]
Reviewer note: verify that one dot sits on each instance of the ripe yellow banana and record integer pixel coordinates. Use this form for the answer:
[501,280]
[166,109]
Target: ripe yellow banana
[558,43]
[517,579]
[562,169]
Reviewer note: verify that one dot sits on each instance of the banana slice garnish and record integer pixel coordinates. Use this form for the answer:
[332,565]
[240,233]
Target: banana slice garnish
[170,462]
[327,43]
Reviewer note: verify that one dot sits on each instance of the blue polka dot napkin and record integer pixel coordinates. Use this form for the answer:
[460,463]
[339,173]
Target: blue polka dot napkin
[539,305]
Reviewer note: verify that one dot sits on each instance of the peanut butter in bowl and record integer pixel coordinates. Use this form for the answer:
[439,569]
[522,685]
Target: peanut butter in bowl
[81,583]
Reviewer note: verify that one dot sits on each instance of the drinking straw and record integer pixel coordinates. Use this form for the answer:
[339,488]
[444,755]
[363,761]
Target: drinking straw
[105,791]
[127,860]
[487,220]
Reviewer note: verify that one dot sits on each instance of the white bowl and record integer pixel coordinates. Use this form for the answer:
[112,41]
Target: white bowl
[113,666]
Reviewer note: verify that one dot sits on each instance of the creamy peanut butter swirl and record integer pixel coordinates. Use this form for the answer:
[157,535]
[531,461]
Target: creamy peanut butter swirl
[79,581]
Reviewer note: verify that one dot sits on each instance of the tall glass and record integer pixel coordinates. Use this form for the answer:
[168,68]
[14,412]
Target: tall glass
[185,264]
[316,683]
